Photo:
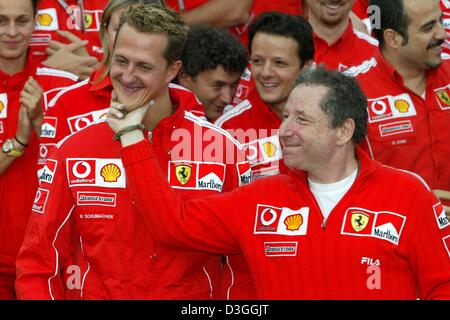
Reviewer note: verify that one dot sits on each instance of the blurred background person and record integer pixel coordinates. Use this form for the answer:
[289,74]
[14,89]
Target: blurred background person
[213,61]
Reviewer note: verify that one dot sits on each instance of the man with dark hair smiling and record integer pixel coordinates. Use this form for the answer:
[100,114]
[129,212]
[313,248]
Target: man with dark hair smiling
[213,61]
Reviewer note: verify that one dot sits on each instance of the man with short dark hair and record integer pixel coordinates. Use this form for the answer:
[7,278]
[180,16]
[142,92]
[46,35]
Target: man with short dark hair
[407,83]
[84,197]
[338,226]
[213,61]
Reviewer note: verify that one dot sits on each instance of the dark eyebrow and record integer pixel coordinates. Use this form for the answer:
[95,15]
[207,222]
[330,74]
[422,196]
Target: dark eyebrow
[430,23]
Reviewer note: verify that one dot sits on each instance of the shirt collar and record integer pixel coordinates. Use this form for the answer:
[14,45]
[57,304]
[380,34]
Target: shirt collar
[346,37]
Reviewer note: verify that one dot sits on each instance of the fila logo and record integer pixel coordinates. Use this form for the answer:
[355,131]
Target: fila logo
[282,221]
[106,173]
[47,173]
[365,223]
[48,128]
[79,122]
[40,200]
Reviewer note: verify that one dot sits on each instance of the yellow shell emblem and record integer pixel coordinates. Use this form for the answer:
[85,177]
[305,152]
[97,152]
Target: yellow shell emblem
[2,106]
[110,172]
[443,96]
[401,105]
[269,149]
[359,220]
[88,19]
[183,173]
[45,19]
[294,222]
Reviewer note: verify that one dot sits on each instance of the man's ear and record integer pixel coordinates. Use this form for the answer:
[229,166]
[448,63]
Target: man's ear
[184,79]
[344,133]
[392,39]
[174,68]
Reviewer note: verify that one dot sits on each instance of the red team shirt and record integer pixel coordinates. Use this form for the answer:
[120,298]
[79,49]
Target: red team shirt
[258,7]
[86,185]
[351,49]
[406,130]
[19,182]
[54,15]
[376,244]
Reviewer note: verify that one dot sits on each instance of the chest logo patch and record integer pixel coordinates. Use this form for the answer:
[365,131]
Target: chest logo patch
[183,173]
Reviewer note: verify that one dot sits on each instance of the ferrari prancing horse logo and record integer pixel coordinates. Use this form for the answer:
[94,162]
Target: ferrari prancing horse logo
[359,221]
[183,173]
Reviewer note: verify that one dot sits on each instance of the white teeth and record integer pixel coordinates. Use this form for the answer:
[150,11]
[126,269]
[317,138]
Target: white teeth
[269,85]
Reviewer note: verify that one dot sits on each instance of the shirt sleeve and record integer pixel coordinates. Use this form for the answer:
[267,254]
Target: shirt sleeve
[49,237]
[209,224]
[428,246]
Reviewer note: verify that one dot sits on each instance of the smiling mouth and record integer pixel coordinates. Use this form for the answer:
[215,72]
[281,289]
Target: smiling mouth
[130,89]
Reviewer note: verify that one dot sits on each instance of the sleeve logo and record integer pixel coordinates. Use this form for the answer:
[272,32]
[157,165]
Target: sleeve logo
[47,173]
[3,105]
[40,200]
[48,128]
[440,216]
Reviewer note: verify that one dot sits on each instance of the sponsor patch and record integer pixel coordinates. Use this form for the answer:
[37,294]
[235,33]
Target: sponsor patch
[79,122]
[91,19]
[47,173]
[106,173]
[44,149]
[48,128]
[40,200]
[196,175]
[446,241]
[3,105]
[443,97]
[393,128]
[283,221]
[96,199]
[440,216]
[365,223]
[40,39]
[46,20]
[1,127]
[391,107]
[245,173]
[280,249]
[264,150]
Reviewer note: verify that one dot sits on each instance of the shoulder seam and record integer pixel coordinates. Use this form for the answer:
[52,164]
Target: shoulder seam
[67,89]
[233,112]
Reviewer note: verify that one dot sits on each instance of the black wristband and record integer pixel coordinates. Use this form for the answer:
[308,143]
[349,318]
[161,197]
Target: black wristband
[21,143]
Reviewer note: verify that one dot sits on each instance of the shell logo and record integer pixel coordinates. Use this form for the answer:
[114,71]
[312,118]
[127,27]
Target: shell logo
[110,172]
[402,105]
[2,106]
[294,222]
[270,149]
[45,19]
[88,19]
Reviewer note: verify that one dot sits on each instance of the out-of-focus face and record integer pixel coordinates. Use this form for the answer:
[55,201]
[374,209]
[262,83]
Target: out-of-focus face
[274,65]
[426,35]
[306,135]
[113,26]
[214,88]
[329,12]
[16,27]
[139,71]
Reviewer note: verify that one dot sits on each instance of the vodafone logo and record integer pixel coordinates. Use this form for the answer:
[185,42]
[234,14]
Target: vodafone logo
[40,200]
[81,169]
[81,123]
[268,216]
[379,107]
